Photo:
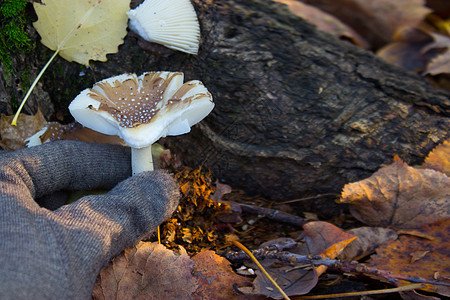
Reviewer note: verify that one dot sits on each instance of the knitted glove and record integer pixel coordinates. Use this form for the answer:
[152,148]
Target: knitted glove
[58,254]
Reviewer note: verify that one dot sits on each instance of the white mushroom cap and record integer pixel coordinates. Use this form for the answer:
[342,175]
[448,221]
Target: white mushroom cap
[172,23]
[143,109]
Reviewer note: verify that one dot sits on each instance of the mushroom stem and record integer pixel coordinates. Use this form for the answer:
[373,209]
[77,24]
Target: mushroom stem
[141,160]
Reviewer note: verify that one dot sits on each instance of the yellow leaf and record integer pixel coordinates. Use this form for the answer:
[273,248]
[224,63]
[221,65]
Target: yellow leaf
[84,29]
[79,31]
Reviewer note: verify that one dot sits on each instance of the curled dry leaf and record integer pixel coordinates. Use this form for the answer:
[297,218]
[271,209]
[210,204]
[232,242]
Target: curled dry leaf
[325,22]
[147,271]
[216,278]
[377,21]
[441,63]
[439,158]
[326,240]
[369,239]
[399,196]
[406,49]
[416,256]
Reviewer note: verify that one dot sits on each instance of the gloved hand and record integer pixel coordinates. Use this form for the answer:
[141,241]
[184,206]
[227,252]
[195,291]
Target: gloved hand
[58,254]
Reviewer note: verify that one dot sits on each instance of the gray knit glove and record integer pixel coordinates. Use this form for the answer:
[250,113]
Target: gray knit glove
[58,254]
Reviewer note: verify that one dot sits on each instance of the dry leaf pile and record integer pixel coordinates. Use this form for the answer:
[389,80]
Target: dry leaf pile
[193,223]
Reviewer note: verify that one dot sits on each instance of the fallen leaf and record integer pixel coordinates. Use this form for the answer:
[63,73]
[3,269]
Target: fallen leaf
[398,256]
[399,196]
[369,239]
[406,49]
[325,22]
[439,159]
[84,29]
[377,21]
[326,240]
[293,279]
[441,63]
[321,238]
[13,137]
[216,278]
[79,31]
[147,271]
[220,190]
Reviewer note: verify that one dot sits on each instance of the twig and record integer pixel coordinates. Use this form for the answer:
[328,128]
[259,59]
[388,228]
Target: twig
[405,288]
[340,265]
[270,213]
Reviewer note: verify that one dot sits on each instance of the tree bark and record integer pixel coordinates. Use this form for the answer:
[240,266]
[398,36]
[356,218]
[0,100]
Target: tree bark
[298,112]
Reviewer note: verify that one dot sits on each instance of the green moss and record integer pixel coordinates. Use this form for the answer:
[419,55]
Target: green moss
[13,38]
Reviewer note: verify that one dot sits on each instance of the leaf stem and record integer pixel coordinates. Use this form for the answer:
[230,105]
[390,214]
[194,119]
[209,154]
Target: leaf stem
[364,293]
[14,121]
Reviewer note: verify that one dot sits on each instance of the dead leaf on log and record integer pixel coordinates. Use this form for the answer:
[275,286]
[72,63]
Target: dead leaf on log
[369,239]
[325,22]
[416,256]
[377,21]
[147,271]
[441,63]
[406,49]
[216,278]
[399,196]
[13,137]
[439,159]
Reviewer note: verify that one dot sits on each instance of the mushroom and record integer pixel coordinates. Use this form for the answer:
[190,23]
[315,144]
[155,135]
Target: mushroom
[172,23]
[142,109]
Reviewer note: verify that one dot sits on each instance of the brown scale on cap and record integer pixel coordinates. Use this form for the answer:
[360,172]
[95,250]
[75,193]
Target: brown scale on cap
[75,131]
[130,102]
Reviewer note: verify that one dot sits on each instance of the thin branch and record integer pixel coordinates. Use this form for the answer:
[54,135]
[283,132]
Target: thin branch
[339,265]
[270,213]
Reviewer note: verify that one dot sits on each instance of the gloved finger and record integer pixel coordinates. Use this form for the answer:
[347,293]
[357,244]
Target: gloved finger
[96,228]
[65,165]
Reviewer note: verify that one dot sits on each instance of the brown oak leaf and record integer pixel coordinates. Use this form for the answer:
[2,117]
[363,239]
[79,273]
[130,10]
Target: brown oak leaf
[399,196]
[147,271]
